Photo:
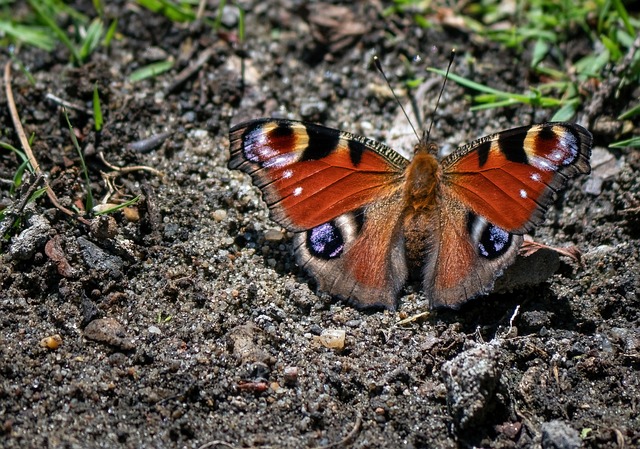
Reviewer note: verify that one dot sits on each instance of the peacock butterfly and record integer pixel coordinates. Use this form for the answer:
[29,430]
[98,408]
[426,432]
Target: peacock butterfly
[366,218]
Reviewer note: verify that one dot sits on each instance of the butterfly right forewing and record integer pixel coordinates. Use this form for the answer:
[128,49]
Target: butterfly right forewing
[510,177]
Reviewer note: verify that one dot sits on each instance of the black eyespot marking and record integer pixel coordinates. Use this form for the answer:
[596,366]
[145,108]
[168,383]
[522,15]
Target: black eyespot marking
[325,241]
[547,133]
[494,242]
[322,142]
[512,146]
[355,152]
[483,152]
[358,219]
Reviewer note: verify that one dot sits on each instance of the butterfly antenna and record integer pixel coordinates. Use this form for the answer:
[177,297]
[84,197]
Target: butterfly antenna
[376,61]
[444,83]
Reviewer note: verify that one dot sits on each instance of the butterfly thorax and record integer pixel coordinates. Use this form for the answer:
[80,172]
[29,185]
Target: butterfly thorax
[422,177]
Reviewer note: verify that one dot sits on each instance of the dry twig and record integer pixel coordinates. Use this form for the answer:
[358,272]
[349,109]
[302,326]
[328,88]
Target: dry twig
[15,117]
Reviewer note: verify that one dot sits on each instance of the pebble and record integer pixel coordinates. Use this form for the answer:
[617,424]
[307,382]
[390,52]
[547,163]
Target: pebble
[332,338]
[109,331]
[471,379]
[219,215]
[51,342]
[25,245]
[273,235]
[558,435]
[98,259]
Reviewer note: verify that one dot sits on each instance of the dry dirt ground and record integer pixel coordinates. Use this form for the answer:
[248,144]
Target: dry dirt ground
[185,322]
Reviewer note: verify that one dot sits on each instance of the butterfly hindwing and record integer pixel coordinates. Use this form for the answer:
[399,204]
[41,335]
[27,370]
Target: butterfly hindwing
[509,178]
[309,174]
[465,254]
[359,256]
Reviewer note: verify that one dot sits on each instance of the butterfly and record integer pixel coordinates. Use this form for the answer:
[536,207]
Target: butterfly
[366,219]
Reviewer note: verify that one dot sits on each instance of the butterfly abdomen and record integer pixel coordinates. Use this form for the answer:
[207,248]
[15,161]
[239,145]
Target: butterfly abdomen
[422,178]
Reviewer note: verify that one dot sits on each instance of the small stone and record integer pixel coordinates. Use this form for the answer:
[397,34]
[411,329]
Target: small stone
[558,435]
[131,214]
[154,330]
[313,109]
[332,338]
[51,342]
[219,215]
[273,235]
[109,331]
[25,245]
[104,227]
[98,259]
[471,379]
[290,375]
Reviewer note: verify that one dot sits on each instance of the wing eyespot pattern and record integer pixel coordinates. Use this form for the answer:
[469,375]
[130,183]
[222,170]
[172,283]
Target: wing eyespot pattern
[491,241]
[326,241]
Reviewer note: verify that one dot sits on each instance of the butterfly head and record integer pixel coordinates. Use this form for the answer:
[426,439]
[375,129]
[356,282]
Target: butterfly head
[425,147]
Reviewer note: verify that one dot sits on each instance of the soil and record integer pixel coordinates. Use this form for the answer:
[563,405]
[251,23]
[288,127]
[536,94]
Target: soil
[184,322]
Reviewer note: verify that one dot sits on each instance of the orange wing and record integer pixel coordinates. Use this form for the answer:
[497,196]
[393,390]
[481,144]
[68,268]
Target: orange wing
[309,174]
[509,177]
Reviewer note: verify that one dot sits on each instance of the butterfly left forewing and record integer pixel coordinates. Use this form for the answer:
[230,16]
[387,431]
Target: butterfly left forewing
[309,174]
[340,193]
[509,178]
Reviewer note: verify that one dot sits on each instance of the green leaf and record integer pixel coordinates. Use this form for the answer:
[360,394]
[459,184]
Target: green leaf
[634,142]
[150,70]
[540,51]
[566,112]
[92,39]
[111,31]
[37,36]
[172,11]
[89,201]
[56,30]
[630,113]
[97,110]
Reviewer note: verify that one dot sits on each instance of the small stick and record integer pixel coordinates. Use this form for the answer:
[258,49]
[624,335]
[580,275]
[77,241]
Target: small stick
[15,118]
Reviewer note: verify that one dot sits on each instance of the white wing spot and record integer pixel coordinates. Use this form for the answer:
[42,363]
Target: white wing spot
[287,174]
[297,191]
[523,193]
[536,177]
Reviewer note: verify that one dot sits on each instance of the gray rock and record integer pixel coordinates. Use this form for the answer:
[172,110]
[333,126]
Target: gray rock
[558,435]
[471,380]
[96,258]
[25,245]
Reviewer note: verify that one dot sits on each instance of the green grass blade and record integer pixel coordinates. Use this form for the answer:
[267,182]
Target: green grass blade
[622,12]
[150,70]
[56,30]
[92,39]
[19,153]
[118,207]
[17,178]
[241,25]
[111,31]
[630,113]
[170,10]
[634,142]
[89,201]
[32,35]
[566,112]
[97,110]
[218,21]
